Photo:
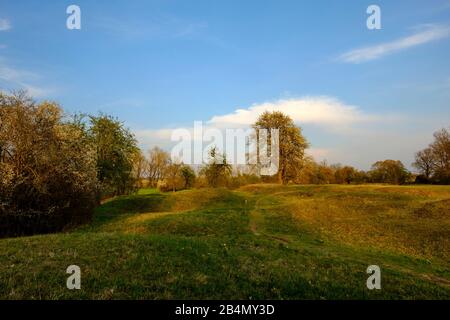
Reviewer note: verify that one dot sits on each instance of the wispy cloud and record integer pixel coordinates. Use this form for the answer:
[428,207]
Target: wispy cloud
[5,24]
[160,27]
[190,29]
[21,79]
[426,34]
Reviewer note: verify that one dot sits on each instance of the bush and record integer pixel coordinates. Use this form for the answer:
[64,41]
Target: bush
[47,168]
[217,171]
[421,179]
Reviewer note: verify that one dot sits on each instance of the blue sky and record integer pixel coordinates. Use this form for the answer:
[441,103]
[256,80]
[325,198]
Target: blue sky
[160,65]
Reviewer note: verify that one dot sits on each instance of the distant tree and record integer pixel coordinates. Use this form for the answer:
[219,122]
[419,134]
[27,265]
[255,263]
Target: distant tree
[217,170]
[115,149]
[157,164]
[425,162]
[323,174]
[188,176]
[306,174]
[389,171]
[441,152]
[292,143]
[433,162]
[346,174]
[140,166]
[361,177]
[174,179]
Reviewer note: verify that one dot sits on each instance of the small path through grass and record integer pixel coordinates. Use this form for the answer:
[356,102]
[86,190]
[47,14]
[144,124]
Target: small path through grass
[256,219]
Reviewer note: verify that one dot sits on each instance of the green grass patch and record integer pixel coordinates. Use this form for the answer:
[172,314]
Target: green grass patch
[258,242]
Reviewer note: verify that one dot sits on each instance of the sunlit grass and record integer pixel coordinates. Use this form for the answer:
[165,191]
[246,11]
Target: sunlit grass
[258,242]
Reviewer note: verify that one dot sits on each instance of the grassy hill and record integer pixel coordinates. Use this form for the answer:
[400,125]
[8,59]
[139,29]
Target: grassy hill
[257,242]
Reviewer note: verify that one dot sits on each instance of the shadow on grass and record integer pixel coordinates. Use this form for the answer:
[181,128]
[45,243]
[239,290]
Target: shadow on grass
[134,204]
[123,206]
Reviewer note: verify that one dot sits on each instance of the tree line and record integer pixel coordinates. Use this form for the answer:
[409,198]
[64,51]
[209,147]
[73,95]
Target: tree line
[294,165]
[56,168]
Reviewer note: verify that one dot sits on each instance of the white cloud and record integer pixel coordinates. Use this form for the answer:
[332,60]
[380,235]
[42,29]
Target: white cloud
[427,34]
[328,113]
[321,110]
[5,24]
[154,137]
[361,138]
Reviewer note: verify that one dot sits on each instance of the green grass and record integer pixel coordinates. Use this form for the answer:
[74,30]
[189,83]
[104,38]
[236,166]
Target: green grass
[258,242]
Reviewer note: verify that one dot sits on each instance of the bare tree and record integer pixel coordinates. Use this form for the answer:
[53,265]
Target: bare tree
[425,162]
[441,152]
[158,162]
[140,166]
[434,161]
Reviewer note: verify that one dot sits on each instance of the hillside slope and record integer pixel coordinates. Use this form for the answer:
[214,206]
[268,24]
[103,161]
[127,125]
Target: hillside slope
[258,242]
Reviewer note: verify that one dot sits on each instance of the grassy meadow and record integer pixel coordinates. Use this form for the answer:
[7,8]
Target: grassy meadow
[256,242]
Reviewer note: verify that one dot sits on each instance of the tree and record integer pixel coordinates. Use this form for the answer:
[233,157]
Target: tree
[361,177]
[174,180]
[292,144]
[425,162]
[434,162]
[115,149]
[441,153]
[158,162]
[188,176]
[346,174]
[218,170]
[307,173]
[140,165]
[47,168]
[323,174]
[389,171]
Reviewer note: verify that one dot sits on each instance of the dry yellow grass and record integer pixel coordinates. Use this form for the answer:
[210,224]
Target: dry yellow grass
[399,219]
